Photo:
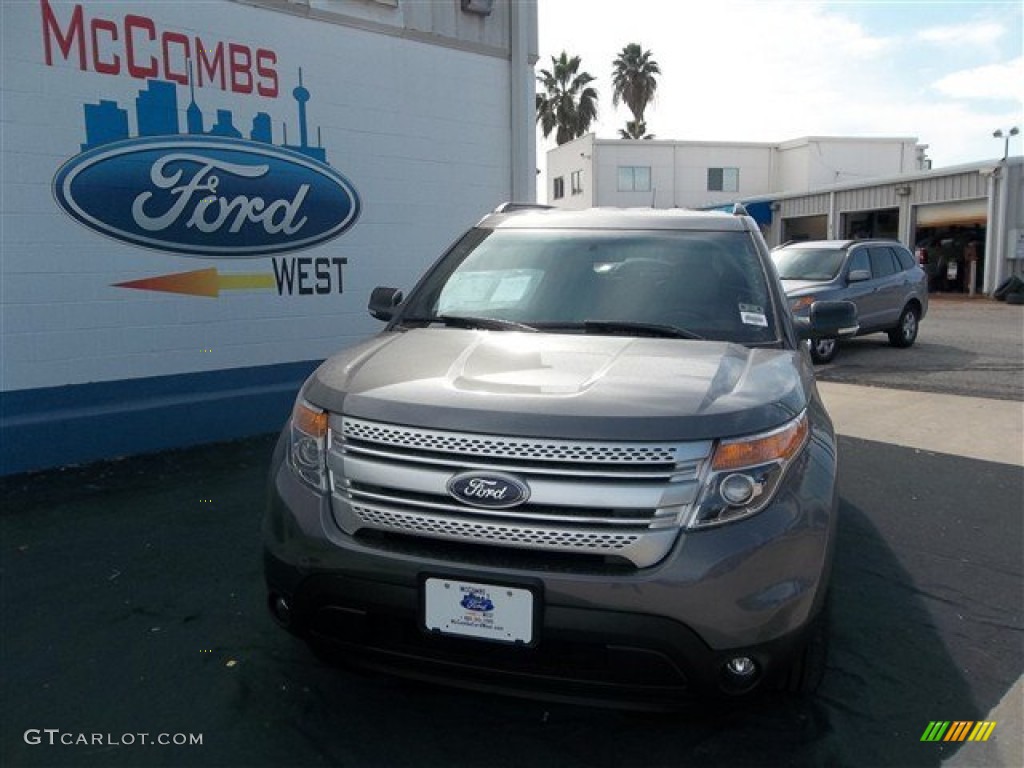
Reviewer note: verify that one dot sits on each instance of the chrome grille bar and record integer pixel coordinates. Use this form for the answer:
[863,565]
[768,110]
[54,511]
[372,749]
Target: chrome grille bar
[641,520]
[524,449]
[641,548]
[686,471]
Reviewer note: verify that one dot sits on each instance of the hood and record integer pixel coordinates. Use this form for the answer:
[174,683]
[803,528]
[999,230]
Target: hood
[570,386]
[803,287]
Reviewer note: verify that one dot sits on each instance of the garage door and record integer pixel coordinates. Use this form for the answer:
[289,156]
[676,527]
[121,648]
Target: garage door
[963,213]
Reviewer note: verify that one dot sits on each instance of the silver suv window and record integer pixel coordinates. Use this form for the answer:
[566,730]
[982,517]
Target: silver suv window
[883,263]
[711,284]
[820,264]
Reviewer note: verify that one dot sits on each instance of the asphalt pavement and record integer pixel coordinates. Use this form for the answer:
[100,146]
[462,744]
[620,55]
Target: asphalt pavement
[132,603]
[966,346]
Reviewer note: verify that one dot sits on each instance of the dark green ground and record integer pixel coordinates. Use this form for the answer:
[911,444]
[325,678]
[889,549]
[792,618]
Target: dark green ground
[129,588]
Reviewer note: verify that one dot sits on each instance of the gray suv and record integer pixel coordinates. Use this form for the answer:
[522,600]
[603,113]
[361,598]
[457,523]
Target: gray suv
[881,277]
[586,457]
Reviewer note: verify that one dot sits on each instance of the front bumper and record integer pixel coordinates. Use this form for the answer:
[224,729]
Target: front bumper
[652,636]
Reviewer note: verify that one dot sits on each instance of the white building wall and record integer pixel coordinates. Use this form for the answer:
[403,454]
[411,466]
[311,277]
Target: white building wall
[412,103]
[421,131]
[793,167]
[573,156]
[679,169]
[657,156]
[813,162]
[692,162]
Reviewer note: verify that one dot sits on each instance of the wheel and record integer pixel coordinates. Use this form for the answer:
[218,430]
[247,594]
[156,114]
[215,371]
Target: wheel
[1015,298]
[824,350]
[905,332]
[808,667]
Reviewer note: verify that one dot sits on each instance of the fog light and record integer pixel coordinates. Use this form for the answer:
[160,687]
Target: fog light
[738,489]
[281,610]
[741,666]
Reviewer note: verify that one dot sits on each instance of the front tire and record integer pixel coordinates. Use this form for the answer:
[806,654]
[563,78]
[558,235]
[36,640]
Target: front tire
[824,350]
[905,332]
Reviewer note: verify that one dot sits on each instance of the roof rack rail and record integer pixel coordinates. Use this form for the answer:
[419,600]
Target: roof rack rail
[739,209]
[510,207]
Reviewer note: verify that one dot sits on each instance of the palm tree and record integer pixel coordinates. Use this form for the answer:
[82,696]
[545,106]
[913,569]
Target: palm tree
[568,105]
[634,82]
[635,130]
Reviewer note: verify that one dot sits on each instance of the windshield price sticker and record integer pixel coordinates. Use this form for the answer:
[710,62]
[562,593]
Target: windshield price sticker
[484,611]
[751,314]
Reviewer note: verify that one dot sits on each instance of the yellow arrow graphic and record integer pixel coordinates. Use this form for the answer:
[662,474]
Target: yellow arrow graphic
[203,282]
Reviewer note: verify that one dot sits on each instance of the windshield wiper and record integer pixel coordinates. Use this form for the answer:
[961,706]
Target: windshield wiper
[464,321]
[627,327]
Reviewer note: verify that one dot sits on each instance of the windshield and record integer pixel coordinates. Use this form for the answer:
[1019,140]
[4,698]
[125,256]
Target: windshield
[808,263]
[687,284]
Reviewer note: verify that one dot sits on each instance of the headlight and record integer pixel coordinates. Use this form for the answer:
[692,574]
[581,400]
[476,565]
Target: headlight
[801,302]
[746,472]
[307,448]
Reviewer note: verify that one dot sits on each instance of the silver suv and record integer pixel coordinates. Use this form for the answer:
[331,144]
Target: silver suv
[586,457]
[880,276]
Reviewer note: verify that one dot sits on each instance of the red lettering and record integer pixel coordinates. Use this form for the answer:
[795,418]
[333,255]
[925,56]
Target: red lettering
[142,51]
[210,68]
[241,68]
[112,67]
[265,61]
[132,23]
[176,38]
[52,31]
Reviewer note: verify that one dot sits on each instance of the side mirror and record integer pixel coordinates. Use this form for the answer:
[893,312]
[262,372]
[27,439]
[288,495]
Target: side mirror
[383,301]
[858,276]
[837,319]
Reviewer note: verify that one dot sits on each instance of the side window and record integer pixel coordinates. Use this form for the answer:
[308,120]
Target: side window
[904,257]
[859,260]
[723,179]
[882,262]
[634,178]
[559,188]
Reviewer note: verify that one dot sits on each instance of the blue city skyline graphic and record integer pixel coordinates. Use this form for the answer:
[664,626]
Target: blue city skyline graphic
[156,114]
[189,182]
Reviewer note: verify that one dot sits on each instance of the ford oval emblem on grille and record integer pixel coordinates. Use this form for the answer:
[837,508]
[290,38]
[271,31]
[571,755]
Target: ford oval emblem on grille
[489,490]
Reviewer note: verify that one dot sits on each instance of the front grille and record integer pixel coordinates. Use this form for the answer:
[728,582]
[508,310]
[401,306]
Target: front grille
[594,498]
[534,537]
[472,445]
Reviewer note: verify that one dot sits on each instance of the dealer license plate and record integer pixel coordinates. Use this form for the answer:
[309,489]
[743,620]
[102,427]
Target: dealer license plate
[486,611]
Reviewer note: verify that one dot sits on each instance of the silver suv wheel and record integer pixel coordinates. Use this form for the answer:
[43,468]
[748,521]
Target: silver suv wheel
[905,332]
[824,350]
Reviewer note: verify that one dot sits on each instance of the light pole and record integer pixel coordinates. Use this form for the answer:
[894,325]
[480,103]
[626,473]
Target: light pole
[998,134]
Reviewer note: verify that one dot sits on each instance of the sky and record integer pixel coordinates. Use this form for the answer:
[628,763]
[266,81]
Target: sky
[947,73]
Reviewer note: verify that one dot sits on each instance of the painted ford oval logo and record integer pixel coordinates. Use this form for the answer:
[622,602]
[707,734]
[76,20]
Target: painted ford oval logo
[488,489]
[477,603]
[206,196]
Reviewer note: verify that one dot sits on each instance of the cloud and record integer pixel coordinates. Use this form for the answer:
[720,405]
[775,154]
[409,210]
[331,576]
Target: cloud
[977,33]
[994,81]
[768,72]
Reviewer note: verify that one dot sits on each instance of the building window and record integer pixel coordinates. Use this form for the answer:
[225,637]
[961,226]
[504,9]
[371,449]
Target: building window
[559,191]
[577,182]
[634,178]
[723,179]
